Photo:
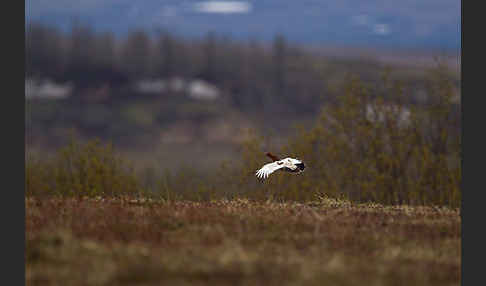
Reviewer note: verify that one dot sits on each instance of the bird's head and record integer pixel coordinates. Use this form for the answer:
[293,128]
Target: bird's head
[296,162]
[292,161]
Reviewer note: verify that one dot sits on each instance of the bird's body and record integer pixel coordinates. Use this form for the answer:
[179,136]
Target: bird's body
[288,164]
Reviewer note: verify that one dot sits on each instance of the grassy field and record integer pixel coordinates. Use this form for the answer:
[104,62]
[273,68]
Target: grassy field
[327,242]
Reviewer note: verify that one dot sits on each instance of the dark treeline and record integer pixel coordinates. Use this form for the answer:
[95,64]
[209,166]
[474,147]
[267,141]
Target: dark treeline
[250,74]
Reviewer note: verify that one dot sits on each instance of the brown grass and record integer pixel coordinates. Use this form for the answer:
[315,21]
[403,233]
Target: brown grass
[239,242]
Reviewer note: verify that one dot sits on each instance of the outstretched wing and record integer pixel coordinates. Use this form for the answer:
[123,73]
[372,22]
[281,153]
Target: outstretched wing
[269,168]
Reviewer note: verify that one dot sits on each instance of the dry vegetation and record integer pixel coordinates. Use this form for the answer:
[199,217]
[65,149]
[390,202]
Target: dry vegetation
[102,241]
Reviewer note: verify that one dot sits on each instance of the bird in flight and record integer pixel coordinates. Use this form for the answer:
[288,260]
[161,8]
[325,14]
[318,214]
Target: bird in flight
[288,164]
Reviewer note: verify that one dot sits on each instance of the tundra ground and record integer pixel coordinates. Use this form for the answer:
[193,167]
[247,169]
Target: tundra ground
[239,242]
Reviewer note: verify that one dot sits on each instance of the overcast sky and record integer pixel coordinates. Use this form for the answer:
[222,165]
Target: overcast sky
[367,22]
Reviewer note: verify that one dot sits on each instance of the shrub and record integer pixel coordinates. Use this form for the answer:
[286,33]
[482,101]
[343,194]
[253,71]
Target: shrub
[81,169]
[366,148]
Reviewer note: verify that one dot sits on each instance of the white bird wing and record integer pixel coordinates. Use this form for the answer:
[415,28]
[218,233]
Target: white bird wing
[268,169]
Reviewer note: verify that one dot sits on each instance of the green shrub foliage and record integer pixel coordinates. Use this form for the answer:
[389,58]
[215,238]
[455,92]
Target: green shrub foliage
[366,148]
[81,169]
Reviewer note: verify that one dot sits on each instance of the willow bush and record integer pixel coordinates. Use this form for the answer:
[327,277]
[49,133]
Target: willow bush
[371,146]
[81,169]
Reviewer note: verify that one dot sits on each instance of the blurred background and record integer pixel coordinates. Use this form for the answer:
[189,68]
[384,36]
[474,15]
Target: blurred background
[177,84]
